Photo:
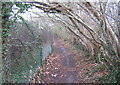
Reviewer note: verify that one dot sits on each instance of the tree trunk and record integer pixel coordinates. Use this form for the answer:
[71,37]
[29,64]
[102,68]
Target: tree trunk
[5,38]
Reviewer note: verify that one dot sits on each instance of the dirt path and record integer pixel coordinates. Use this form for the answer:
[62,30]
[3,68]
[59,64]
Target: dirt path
[60,66]
[67,62]
[66,65]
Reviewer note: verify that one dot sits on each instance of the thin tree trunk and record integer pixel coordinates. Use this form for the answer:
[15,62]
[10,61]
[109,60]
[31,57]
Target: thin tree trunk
[5,39]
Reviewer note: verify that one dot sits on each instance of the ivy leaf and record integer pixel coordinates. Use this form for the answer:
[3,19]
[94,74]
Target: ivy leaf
[19,5]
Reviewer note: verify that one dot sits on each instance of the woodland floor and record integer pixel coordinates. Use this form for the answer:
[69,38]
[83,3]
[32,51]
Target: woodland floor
[67,65]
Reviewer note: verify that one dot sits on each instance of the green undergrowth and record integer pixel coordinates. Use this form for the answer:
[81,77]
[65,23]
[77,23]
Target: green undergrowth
[65,39]
[113,76]
[44,62]
[99,68]
[81,48]
[77,47]
[21,73]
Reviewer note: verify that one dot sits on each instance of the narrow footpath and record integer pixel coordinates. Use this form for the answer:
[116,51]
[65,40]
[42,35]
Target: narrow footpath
[65,65]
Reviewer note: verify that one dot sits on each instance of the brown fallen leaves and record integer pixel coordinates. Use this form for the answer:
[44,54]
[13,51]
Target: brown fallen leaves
[55,72]
[48,71]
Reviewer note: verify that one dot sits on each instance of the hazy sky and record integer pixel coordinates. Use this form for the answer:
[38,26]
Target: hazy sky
[65,0]
[77,0]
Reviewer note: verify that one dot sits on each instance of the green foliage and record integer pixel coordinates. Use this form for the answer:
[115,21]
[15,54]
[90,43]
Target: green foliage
[65,39]
[44,62]
[21,72]
[87,54]
[6,34]
[82,48]
[23,7]
[60,31]
[98,68]
[8,23]
[77,47]
[112,77]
